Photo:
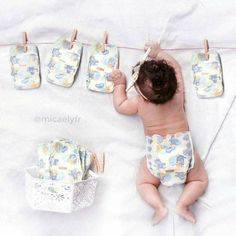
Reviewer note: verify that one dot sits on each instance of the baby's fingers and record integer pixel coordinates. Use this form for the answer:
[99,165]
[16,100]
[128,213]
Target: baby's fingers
[152,45]
[115,74]
[146,46]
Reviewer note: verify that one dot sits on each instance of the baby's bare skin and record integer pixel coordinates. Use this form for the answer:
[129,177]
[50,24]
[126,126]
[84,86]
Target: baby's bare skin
[168,118]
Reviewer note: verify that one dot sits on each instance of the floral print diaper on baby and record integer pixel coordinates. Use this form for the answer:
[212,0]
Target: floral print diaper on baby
[62,160]
[64,62]
[170,157]
[25,66]
[103,59]
[207,73]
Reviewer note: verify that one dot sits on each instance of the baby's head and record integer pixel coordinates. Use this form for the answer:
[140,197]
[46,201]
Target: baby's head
[157,81]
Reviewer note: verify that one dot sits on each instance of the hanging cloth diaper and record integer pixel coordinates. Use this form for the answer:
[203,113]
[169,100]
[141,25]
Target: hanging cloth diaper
[65,61]
[62,160]
[207,73]
[25,65]
[102,61]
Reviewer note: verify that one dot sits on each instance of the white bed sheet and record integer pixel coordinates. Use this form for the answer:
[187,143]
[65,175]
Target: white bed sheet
[118,209]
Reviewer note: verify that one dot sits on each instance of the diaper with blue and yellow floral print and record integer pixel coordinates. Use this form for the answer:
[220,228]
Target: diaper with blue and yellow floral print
[25,68]
[170,157]
[64,161]
[208,75]
[103,59]
[64,62]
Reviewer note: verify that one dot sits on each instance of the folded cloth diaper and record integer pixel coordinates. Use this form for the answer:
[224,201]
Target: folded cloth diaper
[45,153]
[103,59]
[62,160]
[170,157]
[64,62]
[207,73]
[25,66]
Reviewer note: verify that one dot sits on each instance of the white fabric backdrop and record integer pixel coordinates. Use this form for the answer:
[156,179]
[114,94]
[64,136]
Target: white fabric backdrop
[118,209]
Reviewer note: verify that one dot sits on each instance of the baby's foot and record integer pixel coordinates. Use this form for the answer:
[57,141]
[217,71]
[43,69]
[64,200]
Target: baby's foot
[159,215]
[184,212]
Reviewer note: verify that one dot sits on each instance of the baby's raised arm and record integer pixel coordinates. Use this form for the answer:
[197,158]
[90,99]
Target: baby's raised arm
[159,54]
[122,103]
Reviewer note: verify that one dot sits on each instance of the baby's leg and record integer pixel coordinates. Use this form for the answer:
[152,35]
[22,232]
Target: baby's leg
[147,185]
[195,186]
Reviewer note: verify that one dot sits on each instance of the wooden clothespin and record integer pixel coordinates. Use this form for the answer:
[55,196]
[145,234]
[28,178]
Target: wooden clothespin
[105,37]
[73,38]
[96,163]
[206,49]
[99,166]
[103,161]
[24,41]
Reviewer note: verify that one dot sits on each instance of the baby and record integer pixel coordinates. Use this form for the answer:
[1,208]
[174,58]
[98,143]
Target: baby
[170,157]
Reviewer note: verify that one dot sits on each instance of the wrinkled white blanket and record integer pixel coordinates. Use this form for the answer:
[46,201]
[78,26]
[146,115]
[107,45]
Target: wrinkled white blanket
[31,117]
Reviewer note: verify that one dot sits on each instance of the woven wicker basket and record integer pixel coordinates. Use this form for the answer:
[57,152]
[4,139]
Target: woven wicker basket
[51,195]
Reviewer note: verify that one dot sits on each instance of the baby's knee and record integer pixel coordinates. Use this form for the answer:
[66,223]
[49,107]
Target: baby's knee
[139,181]
[205,180]
[204,176]
[140,186]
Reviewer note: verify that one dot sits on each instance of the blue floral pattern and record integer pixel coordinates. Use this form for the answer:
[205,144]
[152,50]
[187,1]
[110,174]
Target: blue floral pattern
[25,67]
[170,157]
[64,62]
[208,76]
[62,160]
[103,59]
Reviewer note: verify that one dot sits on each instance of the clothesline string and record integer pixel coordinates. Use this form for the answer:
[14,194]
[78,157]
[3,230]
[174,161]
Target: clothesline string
[132,48]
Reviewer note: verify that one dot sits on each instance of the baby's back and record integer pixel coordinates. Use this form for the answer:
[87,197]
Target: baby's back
[168,118]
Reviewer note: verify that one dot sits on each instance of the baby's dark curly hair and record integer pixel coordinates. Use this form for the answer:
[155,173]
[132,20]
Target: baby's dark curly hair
[157,81]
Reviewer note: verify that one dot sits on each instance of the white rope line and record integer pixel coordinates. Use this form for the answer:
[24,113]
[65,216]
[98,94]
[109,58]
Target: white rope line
[129,48]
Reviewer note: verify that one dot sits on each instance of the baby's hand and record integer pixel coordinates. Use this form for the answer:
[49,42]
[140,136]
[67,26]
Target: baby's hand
[118,77]
[155,48]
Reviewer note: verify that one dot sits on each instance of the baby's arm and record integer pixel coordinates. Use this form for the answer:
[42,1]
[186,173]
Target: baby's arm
[122,103]
[159,54]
